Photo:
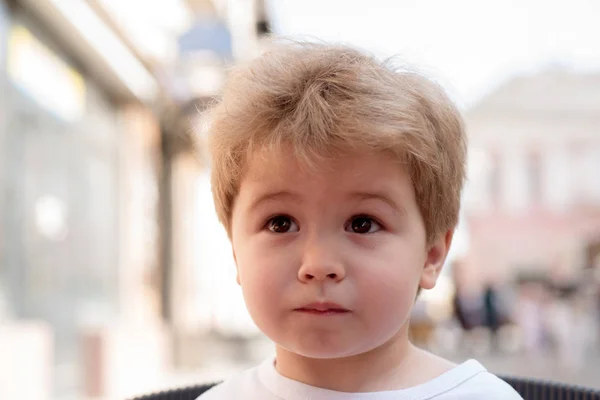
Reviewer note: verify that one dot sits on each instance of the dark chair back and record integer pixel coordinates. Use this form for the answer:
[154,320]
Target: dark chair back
[529,389]
[188,393]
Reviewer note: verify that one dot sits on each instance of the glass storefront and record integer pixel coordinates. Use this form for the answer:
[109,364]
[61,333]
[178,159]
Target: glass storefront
[59,149]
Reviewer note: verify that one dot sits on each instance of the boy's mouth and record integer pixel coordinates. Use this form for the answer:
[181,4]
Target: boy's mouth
[323,308]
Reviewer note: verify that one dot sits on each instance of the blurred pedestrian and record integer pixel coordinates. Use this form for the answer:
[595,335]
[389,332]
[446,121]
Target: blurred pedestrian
[492,317]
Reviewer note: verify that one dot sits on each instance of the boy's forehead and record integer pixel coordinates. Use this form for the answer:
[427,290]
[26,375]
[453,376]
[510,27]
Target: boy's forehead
[279,165]
[283,162]
[283,167]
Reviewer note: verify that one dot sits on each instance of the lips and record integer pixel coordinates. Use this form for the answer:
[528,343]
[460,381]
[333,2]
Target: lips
[323,308]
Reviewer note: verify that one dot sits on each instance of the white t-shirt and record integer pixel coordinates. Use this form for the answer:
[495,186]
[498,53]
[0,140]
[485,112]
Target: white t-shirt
[468,381]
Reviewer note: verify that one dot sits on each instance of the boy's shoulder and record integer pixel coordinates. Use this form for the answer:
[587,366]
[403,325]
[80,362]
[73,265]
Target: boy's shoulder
[244,385]
[467,381]
[483,385]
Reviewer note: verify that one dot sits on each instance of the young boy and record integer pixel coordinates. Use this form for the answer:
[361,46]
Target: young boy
[338,180]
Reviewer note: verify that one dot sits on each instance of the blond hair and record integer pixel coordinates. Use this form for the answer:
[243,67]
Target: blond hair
[323,100]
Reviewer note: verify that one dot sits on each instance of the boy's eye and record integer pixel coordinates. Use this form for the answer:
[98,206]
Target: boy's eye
[362,224]
[282,224]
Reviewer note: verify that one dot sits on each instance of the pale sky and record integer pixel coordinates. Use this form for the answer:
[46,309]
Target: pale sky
[470,46]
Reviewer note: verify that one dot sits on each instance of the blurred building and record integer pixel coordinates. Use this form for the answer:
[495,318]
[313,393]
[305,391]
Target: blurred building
[99,172]
[533,197]
[80,154]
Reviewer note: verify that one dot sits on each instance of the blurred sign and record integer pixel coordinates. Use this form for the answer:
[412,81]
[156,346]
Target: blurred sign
[42,75]
[207,35]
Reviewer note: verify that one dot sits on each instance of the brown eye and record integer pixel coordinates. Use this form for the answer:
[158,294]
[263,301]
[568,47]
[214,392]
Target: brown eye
[363,225]
[282,224]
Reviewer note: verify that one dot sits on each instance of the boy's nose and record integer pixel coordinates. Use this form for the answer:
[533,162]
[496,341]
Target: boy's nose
[319,264]
[319,274]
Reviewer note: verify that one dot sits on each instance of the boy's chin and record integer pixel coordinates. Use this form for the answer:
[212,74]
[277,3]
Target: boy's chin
[323,352]
[337,346]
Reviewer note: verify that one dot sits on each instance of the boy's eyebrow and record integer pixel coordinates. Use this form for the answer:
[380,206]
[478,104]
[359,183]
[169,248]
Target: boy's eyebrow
[379,196]
[270,196]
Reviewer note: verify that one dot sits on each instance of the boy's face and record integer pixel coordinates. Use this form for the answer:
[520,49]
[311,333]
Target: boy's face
[330,262]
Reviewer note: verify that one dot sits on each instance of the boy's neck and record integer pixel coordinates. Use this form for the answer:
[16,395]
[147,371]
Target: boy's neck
[395,365]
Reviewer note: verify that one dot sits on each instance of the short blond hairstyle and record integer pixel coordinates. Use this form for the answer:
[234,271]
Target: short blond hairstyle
[324,100]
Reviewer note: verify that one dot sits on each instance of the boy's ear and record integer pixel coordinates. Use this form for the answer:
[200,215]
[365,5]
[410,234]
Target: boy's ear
[436,256]
[237,270]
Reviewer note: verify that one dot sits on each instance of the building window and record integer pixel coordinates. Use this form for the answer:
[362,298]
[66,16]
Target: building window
[557,182]
[585,174]
[483,182]
[494,177]
[534,177]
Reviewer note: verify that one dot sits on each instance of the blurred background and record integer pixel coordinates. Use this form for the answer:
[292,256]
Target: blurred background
[115,276]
